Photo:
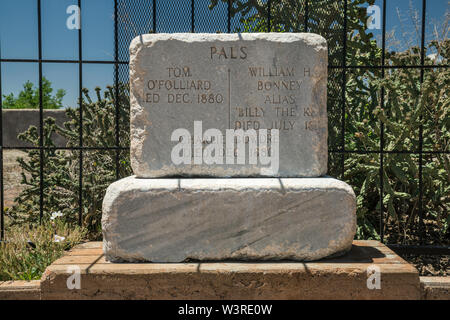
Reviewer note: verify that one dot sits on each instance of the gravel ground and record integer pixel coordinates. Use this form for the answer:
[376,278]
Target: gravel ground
[430,265]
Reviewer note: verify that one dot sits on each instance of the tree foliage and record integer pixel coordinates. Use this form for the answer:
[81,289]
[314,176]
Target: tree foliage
[28,98]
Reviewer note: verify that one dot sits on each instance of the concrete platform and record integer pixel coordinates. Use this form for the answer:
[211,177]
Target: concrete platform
[339,278]
[20,290]
[435,288]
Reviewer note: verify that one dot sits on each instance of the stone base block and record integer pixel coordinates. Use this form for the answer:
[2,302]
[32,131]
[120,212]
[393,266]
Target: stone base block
[345,277]
[176,220]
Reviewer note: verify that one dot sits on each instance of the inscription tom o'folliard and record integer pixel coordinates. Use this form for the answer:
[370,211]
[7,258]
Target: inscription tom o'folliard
[205,84]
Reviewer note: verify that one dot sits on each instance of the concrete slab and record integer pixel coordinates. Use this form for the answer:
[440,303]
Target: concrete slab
[435,288]
[20,290]
[344,277]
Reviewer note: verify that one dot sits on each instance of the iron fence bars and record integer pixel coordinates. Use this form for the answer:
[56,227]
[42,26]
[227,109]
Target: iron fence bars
[41,118]
[192,15]
[344,89]
[306,17]
[2,202]
[116,87]
[229,16]
[80,129]
[133,17]
[154,15]
[422,62]
[383,57]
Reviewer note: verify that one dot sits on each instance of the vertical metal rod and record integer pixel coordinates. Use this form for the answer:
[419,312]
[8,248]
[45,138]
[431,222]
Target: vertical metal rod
[154,16]
[344,87]
[383,58]
[306,15]
[80,131]
[116,85]
[269,8]
[41,118]
[422,62]
[229,17]
[2,207]
[192,15]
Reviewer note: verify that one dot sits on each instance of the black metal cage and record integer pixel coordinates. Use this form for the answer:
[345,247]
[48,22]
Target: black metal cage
[146,19]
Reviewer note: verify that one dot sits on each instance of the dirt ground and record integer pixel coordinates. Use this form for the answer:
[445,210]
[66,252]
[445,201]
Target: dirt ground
[430,265]
[12,175]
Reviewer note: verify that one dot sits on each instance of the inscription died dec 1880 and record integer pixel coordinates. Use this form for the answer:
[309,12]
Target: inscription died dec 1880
[252,82]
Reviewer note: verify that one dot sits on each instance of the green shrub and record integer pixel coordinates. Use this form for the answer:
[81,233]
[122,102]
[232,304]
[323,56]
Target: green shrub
[61,167]
[28,98]
[408,105]
[27,251]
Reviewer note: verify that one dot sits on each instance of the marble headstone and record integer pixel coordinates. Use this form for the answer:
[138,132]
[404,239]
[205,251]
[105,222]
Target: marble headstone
[255,81]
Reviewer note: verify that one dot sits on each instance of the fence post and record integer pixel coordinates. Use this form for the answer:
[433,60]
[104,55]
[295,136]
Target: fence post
[80,94]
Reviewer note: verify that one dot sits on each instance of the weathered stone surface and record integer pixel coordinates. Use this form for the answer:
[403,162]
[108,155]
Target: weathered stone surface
[171,220]
[338,278]
[229,81]
[20,290]
[435,288]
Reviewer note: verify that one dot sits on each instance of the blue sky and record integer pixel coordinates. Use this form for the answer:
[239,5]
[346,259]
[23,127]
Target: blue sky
[18,36]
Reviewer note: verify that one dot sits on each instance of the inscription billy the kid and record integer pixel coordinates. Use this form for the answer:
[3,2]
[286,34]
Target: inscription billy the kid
[247,82]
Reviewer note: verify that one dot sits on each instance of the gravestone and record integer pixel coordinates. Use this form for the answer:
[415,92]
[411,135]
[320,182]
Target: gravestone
[247,111]
[228,81]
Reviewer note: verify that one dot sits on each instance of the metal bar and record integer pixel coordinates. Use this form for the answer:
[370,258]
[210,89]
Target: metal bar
[66,148]
[344,87]
[154,16]
[127,148]
[443,66]
[391,67]
[2,208]
[305,23]
[41,118]
[389,151]
[192,15]
[116,85]
[229,17]
[269,8]
[420,249]
[383,57]
[64,61]
[80,131]
[422,62]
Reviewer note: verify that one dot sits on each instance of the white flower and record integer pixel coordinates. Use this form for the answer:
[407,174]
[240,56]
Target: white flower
[56,215]
[58,238]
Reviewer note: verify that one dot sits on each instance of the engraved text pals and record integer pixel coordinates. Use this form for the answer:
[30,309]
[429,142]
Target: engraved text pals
[228,52]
